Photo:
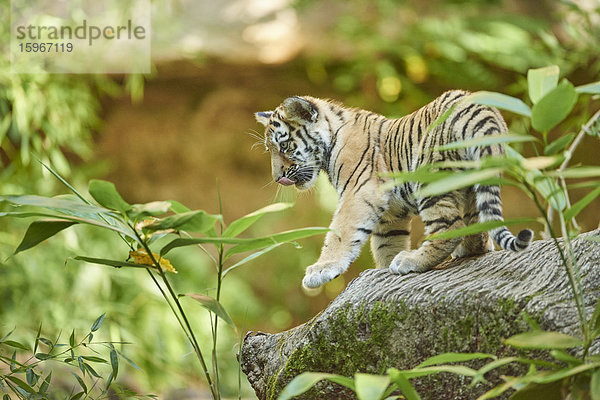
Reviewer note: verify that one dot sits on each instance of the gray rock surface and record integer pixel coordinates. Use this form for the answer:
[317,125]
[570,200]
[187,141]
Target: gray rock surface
[383,320]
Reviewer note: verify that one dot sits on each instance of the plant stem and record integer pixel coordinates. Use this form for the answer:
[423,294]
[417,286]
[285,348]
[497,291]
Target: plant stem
[585,129]
[185,325]
[568,266]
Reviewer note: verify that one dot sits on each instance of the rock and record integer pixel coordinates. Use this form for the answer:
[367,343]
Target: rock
[467,305]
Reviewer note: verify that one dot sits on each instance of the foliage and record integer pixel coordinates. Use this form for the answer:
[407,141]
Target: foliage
[543,178]
[140,227]
[27,374]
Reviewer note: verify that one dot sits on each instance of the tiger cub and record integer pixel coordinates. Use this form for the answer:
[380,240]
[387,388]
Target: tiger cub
[357,148]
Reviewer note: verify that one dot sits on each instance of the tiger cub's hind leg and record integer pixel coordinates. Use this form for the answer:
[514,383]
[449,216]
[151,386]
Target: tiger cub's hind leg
[390,237]
[479,243]
[439,214]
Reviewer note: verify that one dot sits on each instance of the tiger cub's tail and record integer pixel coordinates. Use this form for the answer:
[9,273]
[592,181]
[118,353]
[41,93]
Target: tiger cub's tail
[490,209]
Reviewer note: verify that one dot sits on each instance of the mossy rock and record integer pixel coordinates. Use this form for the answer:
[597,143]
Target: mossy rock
[383,320]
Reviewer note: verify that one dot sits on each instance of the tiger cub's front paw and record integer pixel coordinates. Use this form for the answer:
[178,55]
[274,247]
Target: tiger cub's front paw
[406,262]
[320,273]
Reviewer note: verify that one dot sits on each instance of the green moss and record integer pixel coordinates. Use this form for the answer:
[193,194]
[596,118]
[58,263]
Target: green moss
[366,338]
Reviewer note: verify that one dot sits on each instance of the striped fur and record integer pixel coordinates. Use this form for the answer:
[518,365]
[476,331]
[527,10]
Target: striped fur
[356,148]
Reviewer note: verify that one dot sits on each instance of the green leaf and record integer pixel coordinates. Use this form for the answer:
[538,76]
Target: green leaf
[95,359]
[545,377]
[554,107]
[458,181]
[105,193]
[404,384]
[543,340]
[590,88]
[595,319]
[154,209]
[479,227]
[60,204]
[251,257]
[72,339]
[112,263]
[46,383]
[91,370]
[559,144]
[182,242]
[486,141]
[39,231]
[576,172]
[283,237]
[548,188]
[501,101]
[77,396]
[192,221]
[43,356]
[32,377]
[454,369]
[20,383]
[213,306]
[240,225]
[565,357]
[447,358]
[177,207]
[576,208]
[531,391]
[114,363]
[97,323]
[37,336]
[595,385]
[370,387]
[117,227]
[15,345]
[541,80]
[301,384]
[81,382]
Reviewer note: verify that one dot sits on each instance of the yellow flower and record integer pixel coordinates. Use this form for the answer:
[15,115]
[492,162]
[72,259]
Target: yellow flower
[142,258]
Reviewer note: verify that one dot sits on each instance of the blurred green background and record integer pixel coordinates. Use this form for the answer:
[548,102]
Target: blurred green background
[185,132]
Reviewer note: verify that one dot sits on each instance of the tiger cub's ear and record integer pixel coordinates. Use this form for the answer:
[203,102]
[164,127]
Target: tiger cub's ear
[300,110]
[263,117]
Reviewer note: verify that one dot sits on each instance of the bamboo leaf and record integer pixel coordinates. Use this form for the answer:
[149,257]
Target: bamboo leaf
[301,384]
[97,323]
[117,227]
[106,194]
[576,208]
[486,141]
[541,80]
[15,344]
[447,358]
[192,221]
[595,385]
[404,384]
[576,172]
[501,101]
[240,225]
[114,363]
[590,88]
[112,263]
[39,231]
[213,306]
[21,384]
[458,181]
[543,340]
[370,387]
[251,257]
[554,107]
[559,144]
[283,237]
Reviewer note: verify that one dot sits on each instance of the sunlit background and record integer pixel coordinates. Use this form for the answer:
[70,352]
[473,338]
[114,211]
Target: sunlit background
[186,132]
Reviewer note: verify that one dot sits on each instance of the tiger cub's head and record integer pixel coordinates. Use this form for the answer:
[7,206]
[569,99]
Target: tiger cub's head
[294,137]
